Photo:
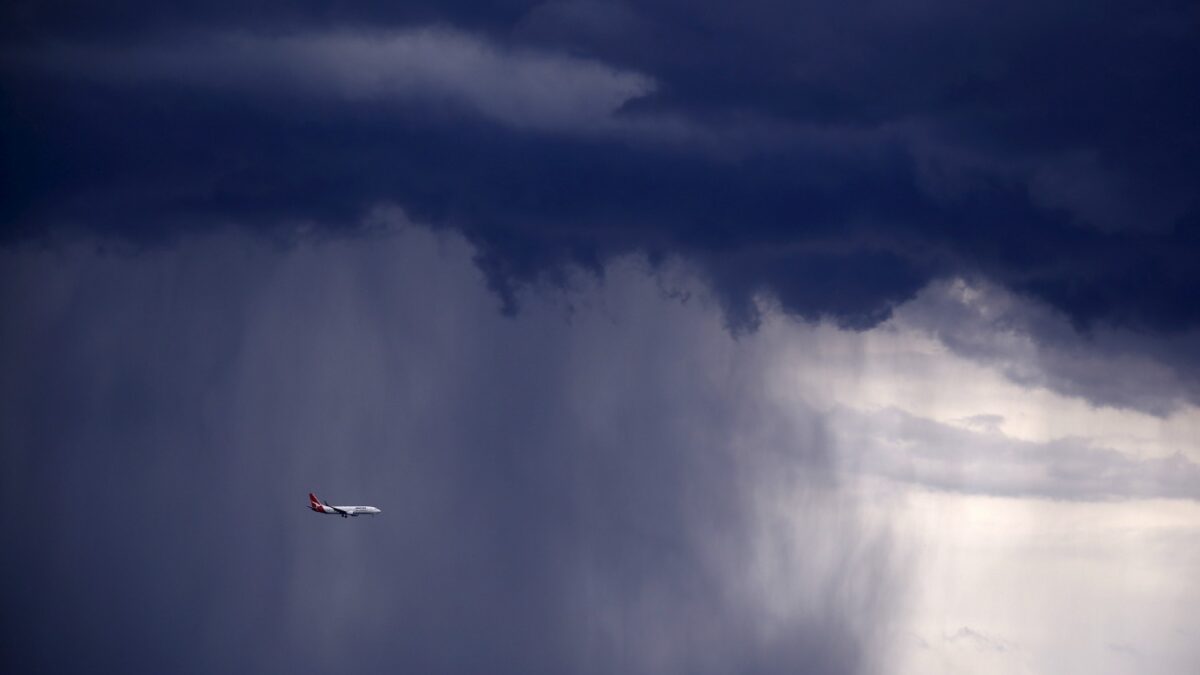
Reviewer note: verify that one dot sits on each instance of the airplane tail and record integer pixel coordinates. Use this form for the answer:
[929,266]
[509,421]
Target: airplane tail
[314,502]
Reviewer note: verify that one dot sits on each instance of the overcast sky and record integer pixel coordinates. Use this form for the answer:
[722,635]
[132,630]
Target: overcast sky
[669,337]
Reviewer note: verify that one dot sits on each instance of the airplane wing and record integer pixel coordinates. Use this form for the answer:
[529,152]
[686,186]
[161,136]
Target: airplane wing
[344,512]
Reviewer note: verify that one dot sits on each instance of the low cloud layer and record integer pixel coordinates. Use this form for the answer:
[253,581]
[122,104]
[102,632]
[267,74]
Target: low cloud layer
[926,453]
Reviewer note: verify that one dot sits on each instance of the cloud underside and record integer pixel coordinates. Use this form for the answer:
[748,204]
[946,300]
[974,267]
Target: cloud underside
[548,162]
[1037,347]
[835,162]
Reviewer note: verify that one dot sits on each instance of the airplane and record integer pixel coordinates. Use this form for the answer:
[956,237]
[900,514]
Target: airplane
[345,511]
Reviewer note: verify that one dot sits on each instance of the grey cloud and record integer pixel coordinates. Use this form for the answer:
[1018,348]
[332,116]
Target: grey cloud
[1099,196]
[989,423]
[525,88]
[876,148]
[1093,192]
[517,87]
[905,447]
[1125,649]
[596,492]
[1035,346]
[965,635]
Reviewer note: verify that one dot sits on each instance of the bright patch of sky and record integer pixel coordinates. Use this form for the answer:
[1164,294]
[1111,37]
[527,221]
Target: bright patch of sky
[1090,583]
[899,365]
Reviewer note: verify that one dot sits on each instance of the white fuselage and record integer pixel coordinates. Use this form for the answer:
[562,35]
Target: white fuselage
[343,511]
[349,510]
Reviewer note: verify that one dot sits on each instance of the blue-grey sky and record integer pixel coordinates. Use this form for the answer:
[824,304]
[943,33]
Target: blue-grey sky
[670,337]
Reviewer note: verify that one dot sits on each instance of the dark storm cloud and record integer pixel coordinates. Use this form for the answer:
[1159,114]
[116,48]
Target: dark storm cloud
[834,156]
[609,491]
[517,88]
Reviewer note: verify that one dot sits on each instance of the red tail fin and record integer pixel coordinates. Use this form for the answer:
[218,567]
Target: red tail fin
[314,502]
